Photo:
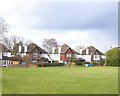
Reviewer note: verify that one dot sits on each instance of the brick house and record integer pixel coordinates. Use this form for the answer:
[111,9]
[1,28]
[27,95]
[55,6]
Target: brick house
[63,53]
[34,52]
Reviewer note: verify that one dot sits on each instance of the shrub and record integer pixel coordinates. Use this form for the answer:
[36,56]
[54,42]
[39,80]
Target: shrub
[95,63]
[50,64]
[86,62]
[72,59]
[79,63]
[55,61]
[102,62]
[113,56]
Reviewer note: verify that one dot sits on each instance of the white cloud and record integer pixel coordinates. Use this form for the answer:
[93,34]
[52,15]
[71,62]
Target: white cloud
[27,17]
[62,36]
[71,37]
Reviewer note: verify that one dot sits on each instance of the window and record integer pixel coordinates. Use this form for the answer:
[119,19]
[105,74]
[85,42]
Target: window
[96,56]
[5,54]
[35,54]
[68,55]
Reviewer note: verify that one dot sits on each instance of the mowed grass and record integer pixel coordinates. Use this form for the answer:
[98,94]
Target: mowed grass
[60,80]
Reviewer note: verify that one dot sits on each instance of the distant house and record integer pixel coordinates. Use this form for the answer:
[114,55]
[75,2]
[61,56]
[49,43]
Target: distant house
[63,53]
[34,52]
[16,60]
[91,54]
[5,55]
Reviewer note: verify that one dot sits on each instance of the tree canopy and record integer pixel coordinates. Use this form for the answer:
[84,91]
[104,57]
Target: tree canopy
[113,57]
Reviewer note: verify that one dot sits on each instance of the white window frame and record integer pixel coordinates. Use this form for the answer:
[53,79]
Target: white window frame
[68,55]
[96,56]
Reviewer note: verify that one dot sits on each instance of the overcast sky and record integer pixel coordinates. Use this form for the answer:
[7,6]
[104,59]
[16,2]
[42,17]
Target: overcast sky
[73,23]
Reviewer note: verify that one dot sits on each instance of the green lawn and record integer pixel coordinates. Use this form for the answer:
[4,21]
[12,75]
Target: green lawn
[60,80]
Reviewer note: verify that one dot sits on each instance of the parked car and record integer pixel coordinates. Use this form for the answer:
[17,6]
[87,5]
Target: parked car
[4,65]
[89,65]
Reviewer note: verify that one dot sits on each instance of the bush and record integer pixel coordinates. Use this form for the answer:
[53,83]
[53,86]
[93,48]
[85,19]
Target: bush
[72,59]
[95,63]
[55,61]
[51,64]
[86,62]
[79,63]
[102,62]
[112,62]
[113,56]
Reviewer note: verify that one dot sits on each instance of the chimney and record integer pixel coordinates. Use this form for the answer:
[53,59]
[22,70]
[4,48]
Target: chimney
[59,50]
[87,51]
[25,50]
[80,51]
[53,50]
[19,49]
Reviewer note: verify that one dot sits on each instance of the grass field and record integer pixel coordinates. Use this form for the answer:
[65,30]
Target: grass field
[60,80]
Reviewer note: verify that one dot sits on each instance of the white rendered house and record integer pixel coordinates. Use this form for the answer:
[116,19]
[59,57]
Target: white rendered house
[5,55]
[91,54]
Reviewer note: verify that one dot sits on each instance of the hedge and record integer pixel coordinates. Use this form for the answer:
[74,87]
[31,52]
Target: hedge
[51,64]
[95,63]
[86,62]
[79,63]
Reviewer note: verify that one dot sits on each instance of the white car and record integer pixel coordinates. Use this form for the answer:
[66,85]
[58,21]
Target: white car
[4,65]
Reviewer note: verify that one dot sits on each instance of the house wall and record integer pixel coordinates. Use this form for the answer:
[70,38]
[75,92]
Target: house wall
[86,57]
[22,54]
[15,62]
[7,54]
[55,57]
[64,57]
[6,62]
[46,56]
[96,57]
[32,57]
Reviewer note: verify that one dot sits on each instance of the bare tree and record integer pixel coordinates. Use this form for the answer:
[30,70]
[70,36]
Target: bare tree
[26,59]
[48,44]
[13,43]
[77,48]
[7,42]
[12,40]
[3,26]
